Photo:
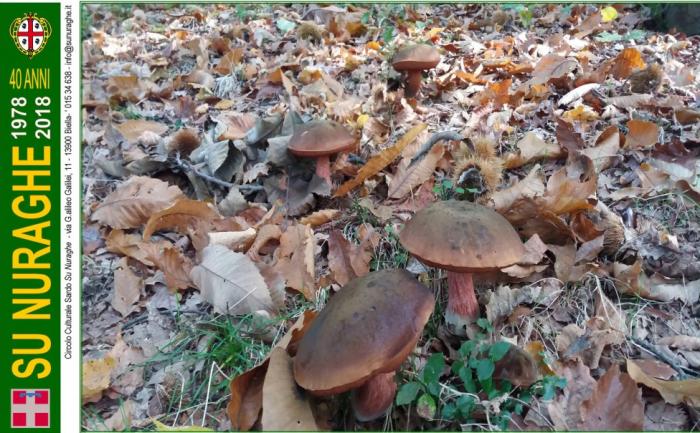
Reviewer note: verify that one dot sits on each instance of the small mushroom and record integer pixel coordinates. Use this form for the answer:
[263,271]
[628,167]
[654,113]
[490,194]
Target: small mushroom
[319,139]
[462,238]
[361,337]
[413,60]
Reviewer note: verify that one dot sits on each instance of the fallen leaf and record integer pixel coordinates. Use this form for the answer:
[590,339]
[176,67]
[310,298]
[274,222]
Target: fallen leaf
[284,406]
[295,259]
[517,367]
[672,391]
[682,342]
[552,66]
[175,266]
[632,280]
[96,378]
[565,409]
[567,137]
[134,201]
[628,61]
[529,187]
[234,240]
[132,245]
[532,148]
[504,299]
[188,217]
[230,282]
[641,134]
[320,217]
[347,260]
[378,162]
[408,177]
[606,149]
[127,288]
[246,397]
[566,192]
[133,129]
[616,404]
[661,416]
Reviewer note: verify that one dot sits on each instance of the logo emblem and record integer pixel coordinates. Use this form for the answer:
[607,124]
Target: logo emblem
[30,34]
[30,408]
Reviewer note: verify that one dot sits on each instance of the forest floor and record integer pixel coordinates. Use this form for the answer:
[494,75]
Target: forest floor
[205,241]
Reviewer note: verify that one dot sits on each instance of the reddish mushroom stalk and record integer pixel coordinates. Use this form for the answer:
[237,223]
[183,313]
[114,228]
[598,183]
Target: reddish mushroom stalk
[462,306]
[323,168]
[374,398]
[413,80]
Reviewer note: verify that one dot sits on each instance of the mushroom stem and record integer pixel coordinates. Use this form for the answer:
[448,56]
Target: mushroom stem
[462,306]
[323,168]
[413,79]
[373,399]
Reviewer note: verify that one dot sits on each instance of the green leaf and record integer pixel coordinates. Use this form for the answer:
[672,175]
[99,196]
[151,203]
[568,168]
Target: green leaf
[388,34]
[407,393]
[465,373]
[426,407]
[465,403]
[466,348]
[498,350]
[449,410]
[484,369]
[433,368]
[285,25]
[484,324]
[608,37]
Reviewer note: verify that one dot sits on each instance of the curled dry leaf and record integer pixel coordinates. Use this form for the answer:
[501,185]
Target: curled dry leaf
[504,299]
[632,280]
[96,378]
[616,404]
[530,187]
[295,259]
[517,367]
[132,245]
[378,162]
[188,217]
[346,260]
[565,409]
[134,201]
[641,135]
[628,61]
[265,234]
[552,66]
[133,129]
[673,391]
[284,406]
[408,177]
[531,148]
[175,266]
[127,288]
[320,217]
[235,241]
[230,282]
[606,149]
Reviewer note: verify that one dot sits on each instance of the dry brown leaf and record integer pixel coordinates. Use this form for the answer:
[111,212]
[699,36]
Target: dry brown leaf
[673,391]
[132,245]
[504,300]
[378,162]
[517,367]
[320,217]
[531,148]
[564,265]
[346,260]
[127,288]
[606,149]
[587,345]
[530,187]
[682,342]
[661,416]
[230,282]
[284,406]
[641,135]
[134,201]
[235,125]
[235,241]
[552,66]
[628,61]
[96,378]
[616,404]
[175,266]
[133,129]
[408,177]
[188,217]
[246,397]
[565,409]
[632,280]
[266,233]
[295,259]
[566,193]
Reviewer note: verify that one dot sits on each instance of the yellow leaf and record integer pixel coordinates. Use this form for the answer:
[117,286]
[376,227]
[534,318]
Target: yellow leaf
[361,120]
[379,162]
[435,31]
[374,45]
[609,13]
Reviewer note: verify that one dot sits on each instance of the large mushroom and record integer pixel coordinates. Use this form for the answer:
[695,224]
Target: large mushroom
[319,139]
[413,60]
[361,337]
[462,238]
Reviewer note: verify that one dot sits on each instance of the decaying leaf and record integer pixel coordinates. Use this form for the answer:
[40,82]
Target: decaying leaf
[673,391]
[529,187]
[284,405]
[134,201]
[346,260]
[632,280]
[133,245]
[127,288]
[295,259]
[628,61]
[230,282]
[380,161]
[503,301]
[616,404]
[96,378]
[531,148]
[565,409]
[175,266]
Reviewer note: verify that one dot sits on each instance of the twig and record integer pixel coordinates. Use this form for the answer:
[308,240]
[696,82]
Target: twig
[206,400]
[662,356]
[438,136]
[186,166]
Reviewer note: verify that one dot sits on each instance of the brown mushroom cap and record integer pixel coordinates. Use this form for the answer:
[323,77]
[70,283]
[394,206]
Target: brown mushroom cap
[416,57]
[462,237]
[320,138]
[370,326]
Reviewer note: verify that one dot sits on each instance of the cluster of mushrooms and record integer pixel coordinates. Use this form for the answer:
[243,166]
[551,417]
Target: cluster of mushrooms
[368,329]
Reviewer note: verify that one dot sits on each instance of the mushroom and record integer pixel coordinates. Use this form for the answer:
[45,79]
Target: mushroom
[462,238]
[319,139]
[413,60]
[361,337]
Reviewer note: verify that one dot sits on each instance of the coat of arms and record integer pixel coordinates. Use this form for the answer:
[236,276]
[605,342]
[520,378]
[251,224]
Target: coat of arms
[30,34]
